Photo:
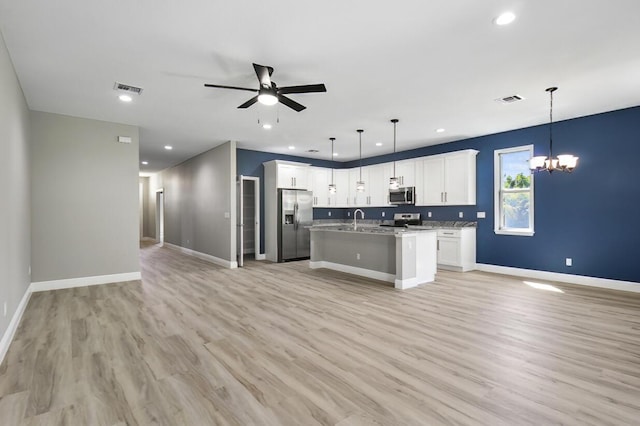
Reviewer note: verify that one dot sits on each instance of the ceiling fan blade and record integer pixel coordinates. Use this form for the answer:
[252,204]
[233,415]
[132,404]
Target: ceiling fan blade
[263,74]
[291,103]
[230,87]
[307,88]
[249,102]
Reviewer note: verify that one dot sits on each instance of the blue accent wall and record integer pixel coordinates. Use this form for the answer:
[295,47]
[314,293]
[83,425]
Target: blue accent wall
[590,215]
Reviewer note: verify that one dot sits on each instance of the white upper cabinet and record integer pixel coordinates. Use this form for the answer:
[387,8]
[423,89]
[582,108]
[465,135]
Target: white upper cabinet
[406,172]
[341,197]
[359,199]
[319,180]
[378,191]
[292,175]
[448,179]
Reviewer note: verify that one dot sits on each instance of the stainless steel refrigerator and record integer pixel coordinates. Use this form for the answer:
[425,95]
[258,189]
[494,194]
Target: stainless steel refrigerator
[295,215]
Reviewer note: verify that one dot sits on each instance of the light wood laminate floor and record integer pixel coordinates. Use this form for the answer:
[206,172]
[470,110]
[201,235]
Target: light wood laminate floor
[280,344]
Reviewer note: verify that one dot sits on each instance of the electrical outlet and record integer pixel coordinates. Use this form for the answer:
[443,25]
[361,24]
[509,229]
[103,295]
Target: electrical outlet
[357,256]
[329,214]
[348,214]
[428,214]
[481,215]
[460,215]
[382,214]
[568,261]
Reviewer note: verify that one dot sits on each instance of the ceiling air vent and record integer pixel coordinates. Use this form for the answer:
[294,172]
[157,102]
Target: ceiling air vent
[312,150]
[127,88]
[510,99]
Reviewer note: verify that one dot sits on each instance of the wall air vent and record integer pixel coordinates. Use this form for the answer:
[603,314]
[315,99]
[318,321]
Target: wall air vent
[127,88]
[510,99]
[313,150]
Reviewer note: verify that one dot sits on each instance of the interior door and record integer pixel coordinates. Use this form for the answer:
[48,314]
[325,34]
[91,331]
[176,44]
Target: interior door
[240,223]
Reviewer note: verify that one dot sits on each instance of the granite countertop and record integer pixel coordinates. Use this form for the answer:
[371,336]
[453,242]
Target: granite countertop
[426,224]
[368,229]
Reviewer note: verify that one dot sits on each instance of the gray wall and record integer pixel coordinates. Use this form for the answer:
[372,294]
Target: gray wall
[85,206]
[146,229]
[197,194]
[15,229]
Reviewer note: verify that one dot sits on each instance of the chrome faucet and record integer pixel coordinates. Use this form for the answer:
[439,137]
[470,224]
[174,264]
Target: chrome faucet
[355,217]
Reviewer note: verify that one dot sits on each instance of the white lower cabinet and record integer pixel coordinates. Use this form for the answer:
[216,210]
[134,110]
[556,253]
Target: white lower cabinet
[457,249]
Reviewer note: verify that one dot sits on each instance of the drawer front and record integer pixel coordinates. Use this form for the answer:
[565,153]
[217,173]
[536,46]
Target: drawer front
[451,233]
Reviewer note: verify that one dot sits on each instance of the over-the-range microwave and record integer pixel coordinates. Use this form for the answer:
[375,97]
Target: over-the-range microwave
[402,195]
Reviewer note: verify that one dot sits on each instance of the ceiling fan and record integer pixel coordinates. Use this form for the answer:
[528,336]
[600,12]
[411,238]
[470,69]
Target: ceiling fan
[269,93]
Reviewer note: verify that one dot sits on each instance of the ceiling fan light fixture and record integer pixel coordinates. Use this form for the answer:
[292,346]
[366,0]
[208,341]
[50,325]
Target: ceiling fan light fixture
[266,98]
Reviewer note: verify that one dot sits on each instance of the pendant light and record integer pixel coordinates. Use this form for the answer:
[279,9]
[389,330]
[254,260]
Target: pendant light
[360,183]
[564,163]
[332,186]
[394,181]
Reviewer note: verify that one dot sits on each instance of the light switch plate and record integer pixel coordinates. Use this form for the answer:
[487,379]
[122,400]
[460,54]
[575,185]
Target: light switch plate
[460,215]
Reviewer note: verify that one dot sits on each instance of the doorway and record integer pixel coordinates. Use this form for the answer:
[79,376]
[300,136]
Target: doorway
[160,216]
[248,221]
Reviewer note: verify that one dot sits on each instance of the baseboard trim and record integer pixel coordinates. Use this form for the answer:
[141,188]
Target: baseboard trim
[557,276]
[261,256]
[83,281]
[203,256]
[147,239]
[7,338]
[413,282]
[382,276]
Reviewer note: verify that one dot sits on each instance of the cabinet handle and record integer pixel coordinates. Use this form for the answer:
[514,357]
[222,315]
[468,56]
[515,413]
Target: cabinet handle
[445,197]
[442,197]
[448,233]
[438,245]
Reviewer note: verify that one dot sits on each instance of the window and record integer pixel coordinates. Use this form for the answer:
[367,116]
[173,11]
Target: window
[513,186]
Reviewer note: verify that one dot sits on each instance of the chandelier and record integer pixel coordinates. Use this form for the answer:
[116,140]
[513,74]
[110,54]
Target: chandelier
[565,162]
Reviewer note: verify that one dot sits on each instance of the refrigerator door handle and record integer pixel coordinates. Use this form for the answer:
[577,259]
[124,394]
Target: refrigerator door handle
[296,220]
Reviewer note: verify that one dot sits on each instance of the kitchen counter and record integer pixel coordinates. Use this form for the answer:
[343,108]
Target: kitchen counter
[406,257]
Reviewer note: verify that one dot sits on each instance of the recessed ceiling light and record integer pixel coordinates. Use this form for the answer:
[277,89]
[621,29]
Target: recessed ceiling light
[335,154]
[144,163]
[125,98]
[168,147]
[440,130]
[292,147]
[266,126]
[505,19]
[378,143]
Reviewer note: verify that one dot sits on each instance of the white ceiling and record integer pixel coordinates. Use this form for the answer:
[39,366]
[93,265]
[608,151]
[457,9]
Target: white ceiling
[438,63]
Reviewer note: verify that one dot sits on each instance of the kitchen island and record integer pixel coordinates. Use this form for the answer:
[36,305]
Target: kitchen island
[407,257]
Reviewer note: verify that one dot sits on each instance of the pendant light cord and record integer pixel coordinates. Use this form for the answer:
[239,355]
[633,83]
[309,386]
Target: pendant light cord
[395,122]
[332,169]
[551,90]
[360,133]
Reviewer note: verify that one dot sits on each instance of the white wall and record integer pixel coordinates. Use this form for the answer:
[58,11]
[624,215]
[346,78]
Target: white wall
[15,231]
[85,205]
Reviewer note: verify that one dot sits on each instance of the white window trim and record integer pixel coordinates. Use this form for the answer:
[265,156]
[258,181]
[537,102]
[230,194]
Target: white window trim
[496,194]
